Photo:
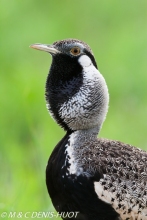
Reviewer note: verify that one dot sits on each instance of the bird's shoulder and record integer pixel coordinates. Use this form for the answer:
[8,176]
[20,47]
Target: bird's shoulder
[112,155]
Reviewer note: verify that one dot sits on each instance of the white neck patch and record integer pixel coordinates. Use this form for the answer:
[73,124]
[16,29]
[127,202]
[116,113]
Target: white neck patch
[85,61]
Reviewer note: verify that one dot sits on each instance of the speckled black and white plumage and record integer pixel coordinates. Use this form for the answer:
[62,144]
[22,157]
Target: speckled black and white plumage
[99,178]
[121,170]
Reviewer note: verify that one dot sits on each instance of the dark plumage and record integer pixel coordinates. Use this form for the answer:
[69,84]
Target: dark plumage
[98,178]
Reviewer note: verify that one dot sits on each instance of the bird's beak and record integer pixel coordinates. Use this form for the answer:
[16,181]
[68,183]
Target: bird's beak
[44,47]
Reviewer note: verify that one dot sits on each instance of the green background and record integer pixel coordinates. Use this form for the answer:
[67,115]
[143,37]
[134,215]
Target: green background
[117,34]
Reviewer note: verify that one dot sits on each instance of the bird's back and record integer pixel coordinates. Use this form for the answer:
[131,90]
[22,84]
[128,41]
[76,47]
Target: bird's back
[124,176]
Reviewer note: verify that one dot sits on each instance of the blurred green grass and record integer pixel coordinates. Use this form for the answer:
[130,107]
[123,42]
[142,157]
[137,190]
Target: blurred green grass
[117,33]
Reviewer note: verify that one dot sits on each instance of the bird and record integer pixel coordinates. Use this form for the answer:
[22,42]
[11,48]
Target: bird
[97,178]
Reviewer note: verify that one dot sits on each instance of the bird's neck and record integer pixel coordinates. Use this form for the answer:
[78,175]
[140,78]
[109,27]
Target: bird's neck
[84,136]
[80,103]
[77,148]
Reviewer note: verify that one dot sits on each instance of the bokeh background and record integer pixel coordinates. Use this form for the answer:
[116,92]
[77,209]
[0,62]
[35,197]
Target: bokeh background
[117,34]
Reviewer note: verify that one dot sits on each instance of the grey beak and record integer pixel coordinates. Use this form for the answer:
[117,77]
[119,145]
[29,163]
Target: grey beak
[44,47]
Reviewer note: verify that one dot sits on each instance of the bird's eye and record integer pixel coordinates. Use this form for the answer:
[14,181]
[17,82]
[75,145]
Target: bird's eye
[75,51]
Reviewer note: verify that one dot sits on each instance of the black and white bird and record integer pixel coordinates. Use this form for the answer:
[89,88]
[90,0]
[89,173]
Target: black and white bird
[98,178]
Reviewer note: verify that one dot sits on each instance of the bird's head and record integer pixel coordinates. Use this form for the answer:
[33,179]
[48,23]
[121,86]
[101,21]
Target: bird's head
[76,93]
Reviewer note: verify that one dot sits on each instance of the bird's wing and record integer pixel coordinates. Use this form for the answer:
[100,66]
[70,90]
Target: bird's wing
[124,177]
